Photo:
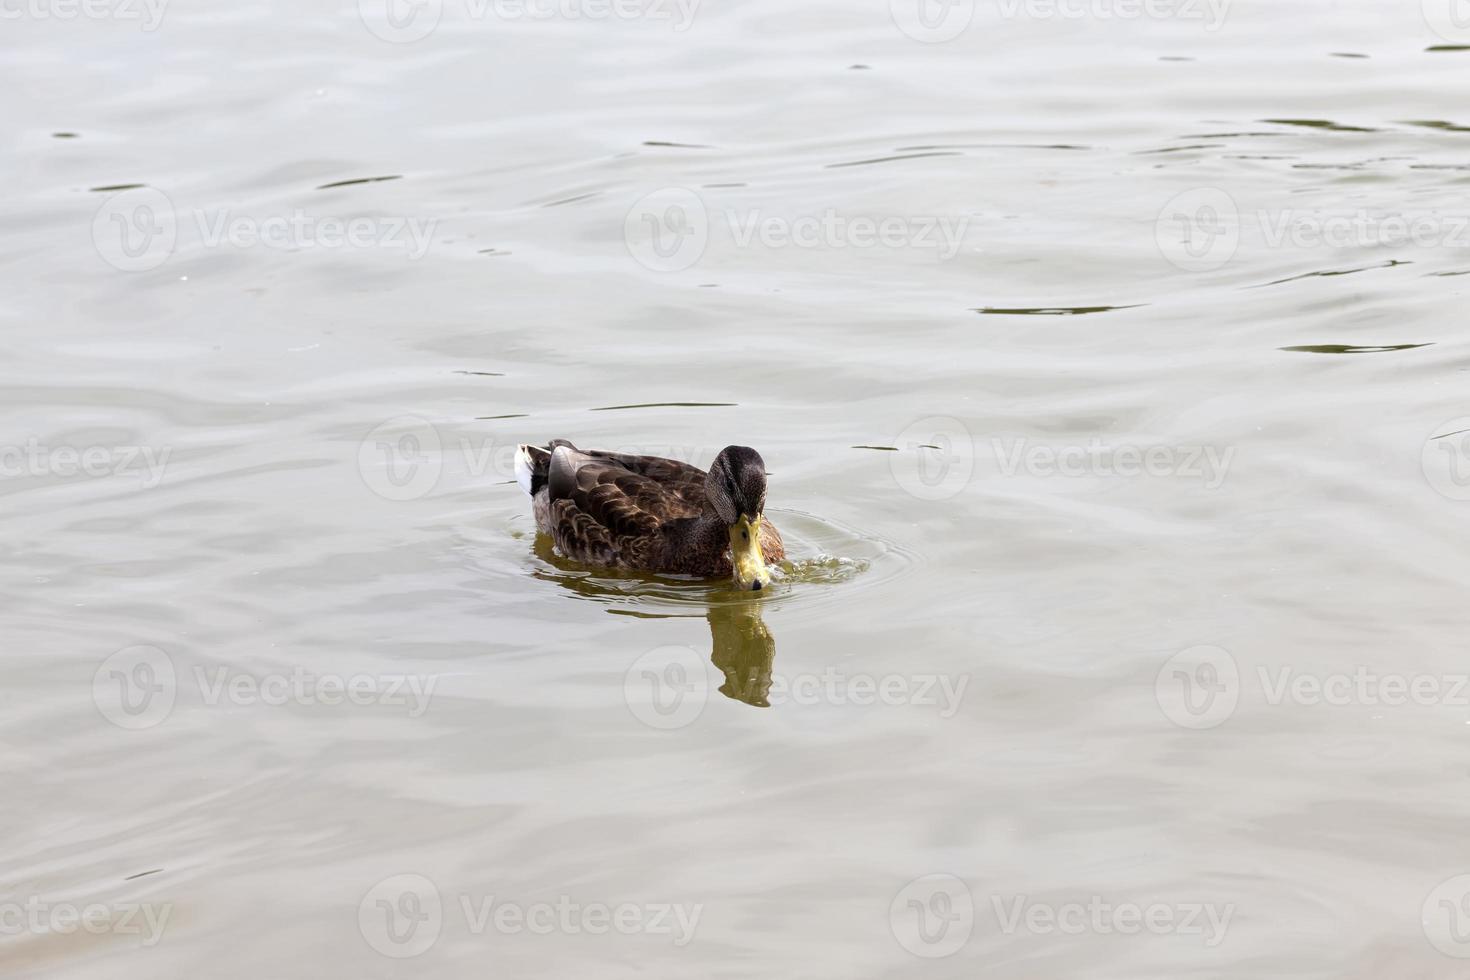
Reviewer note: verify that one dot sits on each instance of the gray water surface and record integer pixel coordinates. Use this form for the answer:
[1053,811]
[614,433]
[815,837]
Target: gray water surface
[1110,374]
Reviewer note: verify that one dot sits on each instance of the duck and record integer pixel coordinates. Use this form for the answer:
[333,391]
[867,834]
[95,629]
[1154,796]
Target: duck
[651,514]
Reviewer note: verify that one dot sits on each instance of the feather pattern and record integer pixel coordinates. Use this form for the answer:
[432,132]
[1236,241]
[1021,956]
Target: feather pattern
[621,510]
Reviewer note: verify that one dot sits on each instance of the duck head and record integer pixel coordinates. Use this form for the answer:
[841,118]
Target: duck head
[736,489]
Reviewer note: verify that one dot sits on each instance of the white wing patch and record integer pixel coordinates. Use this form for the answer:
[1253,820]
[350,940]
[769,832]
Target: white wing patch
[523,468]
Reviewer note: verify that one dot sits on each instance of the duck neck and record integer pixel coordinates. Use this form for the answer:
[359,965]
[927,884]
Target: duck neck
[704,539]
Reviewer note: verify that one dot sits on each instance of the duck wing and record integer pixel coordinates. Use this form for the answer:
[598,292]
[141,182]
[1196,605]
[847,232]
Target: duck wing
[610,508]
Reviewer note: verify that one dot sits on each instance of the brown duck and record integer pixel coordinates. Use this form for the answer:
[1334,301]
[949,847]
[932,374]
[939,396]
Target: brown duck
[654,514]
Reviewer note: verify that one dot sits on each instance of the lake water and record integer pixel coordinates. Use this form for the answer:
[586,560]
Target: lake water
[1108,362]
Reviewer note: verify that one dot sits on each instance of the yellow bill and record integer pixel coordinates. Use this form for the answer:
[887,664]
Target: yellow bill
[745,552]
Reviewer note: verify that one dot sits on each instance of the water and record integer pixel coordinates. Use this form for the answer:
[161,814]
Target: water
[1167,625]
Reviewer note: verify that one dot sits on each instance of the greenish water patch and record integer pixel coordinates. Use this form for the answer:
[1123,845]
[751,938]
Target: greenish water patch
[1351,349]
[359,180]
[893,159]
[1440,124]
[1327,124]
[624,408]
[1333,273]
[1051,310]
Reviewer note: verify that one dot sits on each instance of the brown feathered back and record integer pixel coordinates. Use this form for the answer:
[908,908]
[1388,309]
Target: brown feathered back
[623,510]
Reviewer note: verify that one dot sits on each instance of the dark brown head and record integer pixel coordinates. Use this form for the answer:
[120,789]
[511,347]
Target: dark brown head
[736,489]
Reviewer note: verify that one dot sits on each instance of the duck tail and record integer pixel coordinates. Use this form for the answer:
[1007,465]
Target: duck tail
[533,465]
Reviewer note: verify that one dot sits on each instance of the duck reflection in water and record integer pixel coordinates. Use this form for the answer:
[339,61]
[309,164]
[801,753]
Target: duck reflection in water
[743,648]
